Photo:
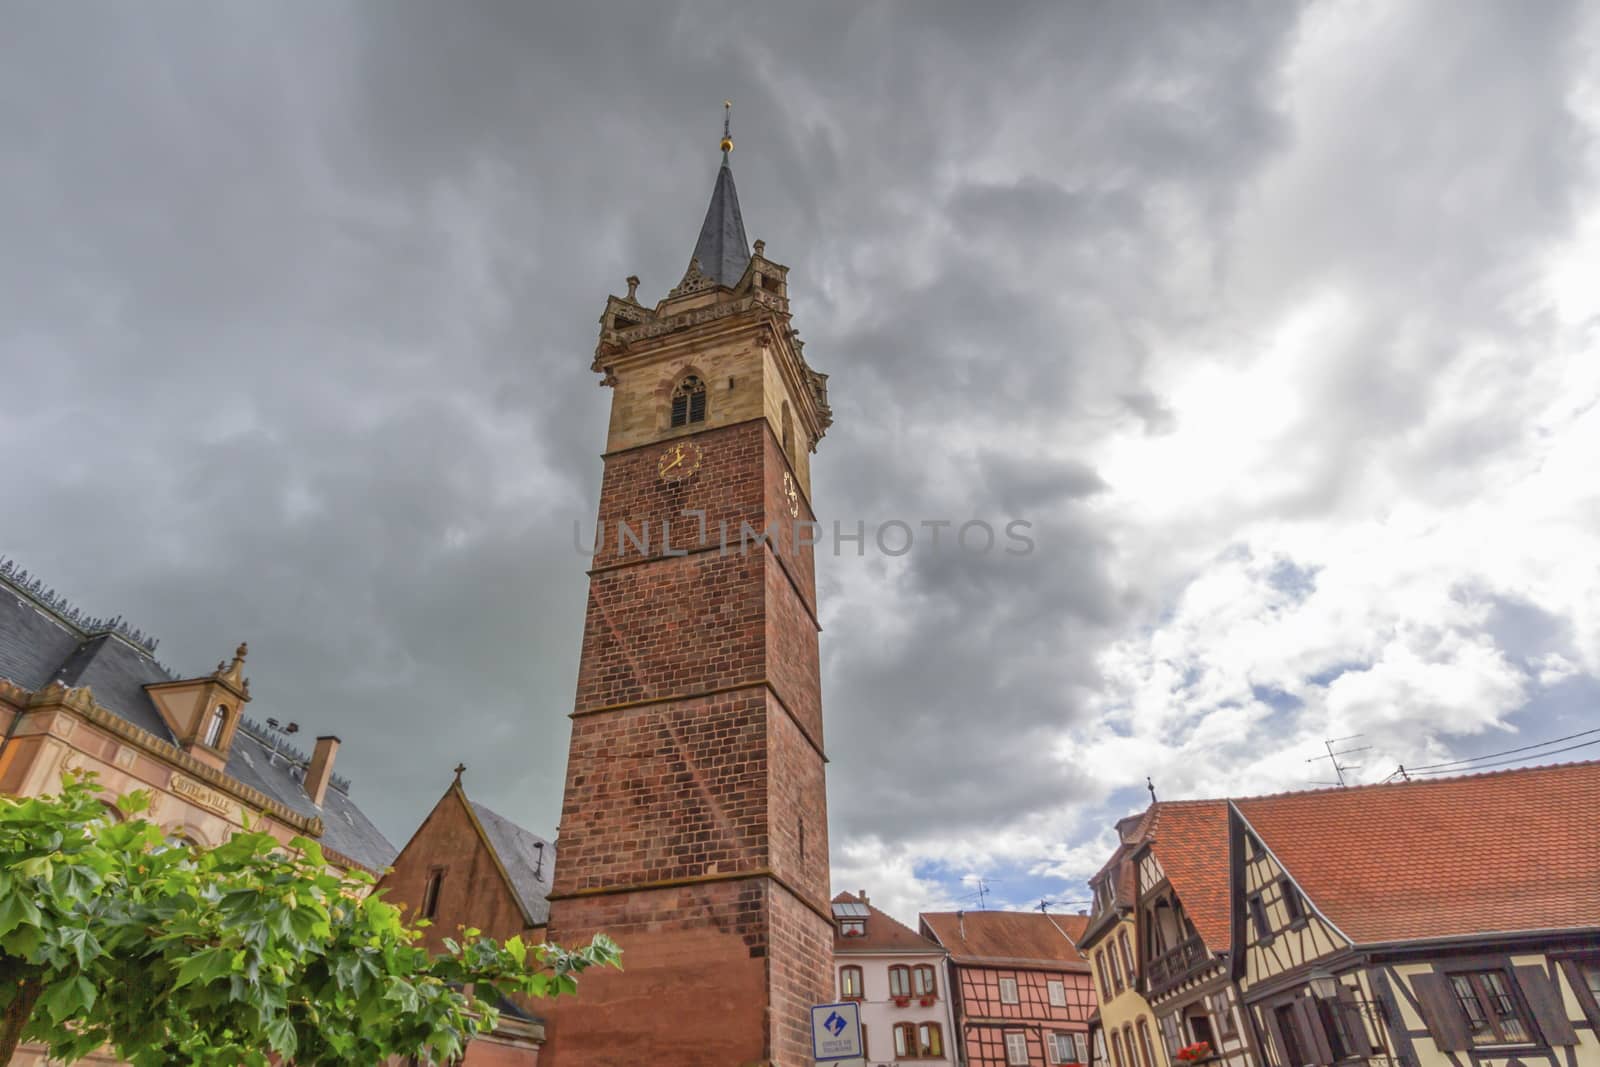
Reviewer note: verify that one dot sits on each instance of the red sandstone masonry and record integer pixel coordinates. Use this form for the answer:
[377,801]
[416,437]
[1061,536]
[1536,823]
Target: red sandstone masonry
[695,758]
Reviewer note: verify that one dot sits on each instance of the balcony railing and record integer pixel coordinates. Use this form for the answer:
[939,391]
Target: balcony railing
[1170,968]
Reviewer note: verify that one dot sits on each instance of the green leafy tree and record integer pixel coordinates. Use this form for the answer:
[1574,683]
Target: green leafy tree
[113,936]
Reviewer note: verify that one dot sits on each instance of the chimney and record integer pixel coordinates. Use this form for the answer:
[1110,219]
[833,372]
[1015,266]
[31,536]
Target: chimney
[321,768]
[863,895]
[961,924]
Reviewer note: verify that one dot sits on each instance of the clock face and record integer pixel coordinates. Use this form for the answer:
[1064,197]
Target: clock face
[792,494]
[679,461]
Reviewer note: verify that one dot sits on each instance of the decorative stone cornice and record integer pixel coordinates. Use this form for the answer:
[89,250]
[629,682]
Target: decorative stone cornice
[81,702]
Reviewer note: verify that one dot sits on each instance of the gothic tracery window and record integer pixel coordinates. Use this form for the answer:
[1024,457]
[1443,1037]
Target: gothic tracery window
[689,401]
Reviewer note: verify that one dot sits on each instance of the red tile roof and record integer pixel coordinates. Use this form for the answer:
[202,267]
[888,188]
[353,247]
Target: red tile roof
[1009,937]
[1496,852]
[1191,841]
[884,932]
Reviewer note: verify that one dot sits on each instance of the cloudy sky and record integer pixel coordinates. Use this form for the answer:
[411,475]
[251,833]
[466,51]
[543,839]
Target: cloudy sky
[1279,325]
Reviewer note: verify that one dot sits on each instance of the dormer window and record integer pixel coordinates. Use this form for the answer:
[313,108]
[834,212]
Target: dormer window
[218,720]
[852,918]
[689,402]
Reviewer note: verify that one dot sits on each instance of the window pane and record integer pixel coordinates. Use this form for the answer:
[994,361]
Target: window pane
[1467,997]
[1505,1008]
[1591,977]
[902,1045]
[1017,1049]
[1008,991]
[900,981]
[1058,994]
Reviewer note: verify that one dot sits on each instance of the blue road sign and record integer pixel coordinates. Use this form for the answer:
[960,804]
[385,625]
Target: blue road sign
[836,1032]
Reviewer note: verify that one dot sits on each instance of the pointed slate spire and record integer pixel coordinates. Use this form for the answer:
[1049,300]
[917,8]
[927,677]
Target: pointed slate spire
[722,251]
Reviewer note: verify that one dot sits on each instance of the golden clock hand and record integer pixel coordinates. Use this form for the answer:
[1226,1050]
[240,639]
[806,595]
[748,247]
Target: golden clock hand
[674,463]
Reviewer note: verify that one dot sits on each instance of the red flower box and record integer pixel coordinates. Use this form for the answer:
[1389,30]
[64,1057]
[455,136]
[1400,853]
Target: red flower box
[928,1000]
[902,1002]
[1195,1053]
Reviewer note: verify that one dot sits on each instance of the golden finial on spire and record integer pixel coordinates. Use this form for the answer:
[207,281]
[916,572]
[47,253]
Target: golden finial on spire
[727,138]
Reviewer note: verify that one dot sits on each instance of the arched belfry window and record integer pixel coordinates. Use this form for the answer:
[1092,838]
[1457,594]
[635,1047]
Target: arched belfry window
[219,719]
[689,402]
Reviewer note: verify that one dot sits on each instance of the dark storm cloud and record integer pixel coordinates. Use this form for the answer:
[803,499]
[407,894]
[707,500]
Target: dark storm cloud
[297,307]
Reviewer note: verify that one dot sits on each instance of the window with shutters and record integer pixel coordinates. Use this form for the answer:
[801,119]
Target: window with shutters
[1016,1049]
[1294,1041]
[1336,1028]
[1491,1009]
[688,401]
[1058,992]
[1008,991]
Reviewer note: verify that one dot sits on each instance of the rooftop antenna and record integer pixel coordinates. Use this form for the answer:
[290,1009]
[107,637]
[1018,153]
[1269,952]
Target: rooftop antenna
[1333,757]
[1045,906]
[1148,784]
[983,891]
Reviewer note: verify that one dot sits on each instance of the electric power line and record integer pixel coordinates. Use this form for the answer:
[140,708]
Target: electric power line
[1507,752]
[1514,759]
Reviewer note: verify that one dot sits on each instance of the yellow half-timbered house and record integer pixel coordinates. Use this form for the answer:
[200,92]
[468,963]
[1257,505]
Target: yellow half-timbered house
[1453,922]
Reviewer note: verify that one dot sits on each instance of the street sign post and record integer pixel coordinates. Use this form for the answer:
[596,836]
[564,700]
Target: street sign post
[836,1032]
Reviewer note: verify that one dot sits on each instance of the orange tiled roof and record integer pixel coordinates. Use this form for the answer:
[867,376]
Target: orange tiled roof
[885,933]
[1496,852]
[1191,841]
[1009,936]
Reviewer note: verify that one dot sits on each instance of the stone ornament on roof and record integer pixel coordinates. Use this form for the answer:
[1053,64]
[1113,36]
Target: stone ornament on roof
[89,625]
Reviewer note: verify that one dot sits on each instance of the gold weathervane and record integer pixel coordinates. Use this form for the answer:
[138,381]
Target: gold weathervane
[727,139]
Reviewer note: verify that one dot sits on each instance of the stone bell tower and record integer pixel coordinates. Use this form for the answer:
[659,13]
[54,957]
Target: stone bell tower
[694,828]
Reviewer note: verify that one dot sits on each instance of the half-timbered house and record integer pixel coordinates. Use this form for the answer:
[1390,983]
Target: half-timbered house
[1444,923]
[1184,921]
[1021,988]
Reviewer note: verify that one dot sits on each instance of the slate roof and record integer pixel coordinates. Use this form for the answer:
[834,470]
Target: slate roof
[722,250]
[1503,851]
[1191,841]
[530,871]
[1024,937]
[884,933]
[42,641]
